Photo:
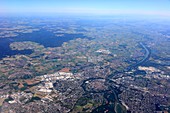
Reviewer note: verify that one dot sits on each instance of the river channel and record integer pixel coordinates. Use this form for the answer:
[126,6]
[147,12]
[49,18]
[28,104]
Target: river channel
[114,104]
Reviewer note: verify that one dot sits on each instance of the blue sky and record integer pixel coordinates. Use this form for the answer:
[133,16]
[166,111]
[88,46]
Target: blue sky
[135,7]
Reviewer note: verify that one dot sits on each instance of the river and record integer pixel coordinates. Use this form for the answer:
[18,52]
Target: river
[114,104]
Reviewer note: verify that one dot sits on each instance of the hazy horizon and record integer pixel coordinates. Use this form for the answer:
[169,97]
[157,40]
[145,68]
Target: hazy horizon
[159,8]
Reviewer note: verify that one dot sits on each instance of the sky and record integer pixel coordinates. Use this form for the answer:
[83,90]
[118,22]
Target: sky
[131,7]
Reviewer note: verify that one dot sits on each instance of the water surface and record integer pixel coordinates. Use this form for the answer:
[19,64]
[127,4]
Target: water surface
[43,37]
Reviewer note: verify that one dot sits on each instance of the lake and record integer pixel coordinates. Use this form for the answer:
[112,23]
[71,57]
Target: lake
[43,37]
